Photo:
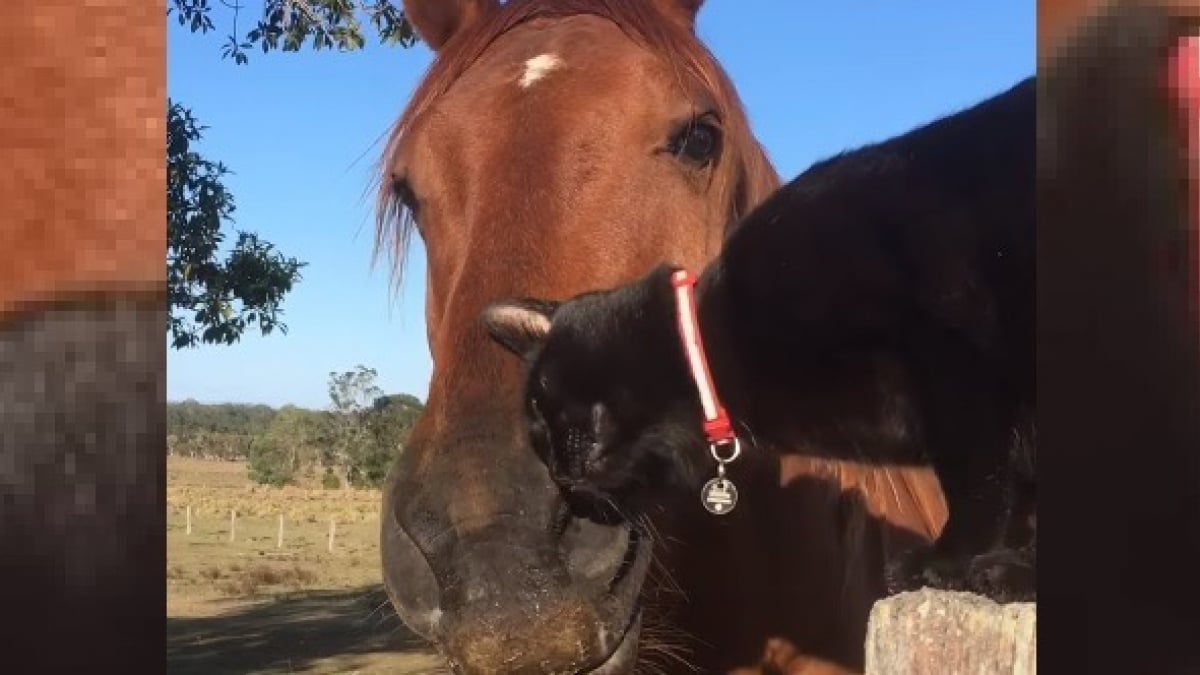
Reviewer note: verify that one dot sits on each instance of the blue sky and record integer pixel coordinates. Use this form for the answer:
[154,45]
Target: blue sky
[301,132]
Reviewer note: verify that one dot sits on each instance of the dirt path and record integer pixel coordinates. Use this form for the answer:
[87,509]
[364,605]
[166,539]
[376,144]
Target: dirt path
[304,632]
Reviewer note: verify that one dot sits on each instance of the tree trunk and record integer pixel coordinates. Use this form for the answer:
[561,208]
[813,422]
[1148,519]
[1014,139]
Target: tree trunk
[939,632]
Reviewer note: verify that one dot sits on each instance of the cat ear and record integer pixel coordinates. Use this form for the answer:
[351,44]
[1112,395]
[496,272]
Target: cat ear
[519,324]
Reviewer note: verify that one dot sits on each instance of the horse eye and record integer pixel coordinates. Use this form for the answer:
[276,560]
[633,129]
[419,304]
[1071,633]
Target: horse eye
[403,192]
[698,142]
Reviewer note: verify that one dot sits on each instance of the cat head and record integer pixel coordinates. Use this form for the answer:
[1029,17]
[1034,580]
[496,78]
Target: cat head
[610,407]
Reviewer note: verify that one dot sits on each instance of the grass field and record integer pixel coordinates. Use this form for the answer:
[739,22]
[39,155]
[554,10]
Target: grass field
[252,606]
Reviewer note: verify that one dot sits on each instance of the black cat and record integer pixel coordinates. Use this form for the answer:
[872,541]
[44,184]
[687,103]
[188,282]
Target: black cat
[879,307]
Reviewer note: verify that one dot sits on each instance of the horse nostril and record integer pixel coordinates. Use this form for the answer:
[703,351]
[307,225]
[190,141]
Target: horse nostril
[628,558]
[595,551]
[409,578]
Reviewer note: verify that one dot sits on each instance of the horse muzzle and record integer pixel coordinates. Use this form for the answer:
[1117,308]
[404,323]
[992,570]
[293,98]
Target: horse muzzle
[525,586]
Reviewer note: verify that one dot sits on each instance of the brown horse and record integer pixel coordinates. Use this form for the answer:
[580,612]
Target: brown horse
[82,343]
[557,146]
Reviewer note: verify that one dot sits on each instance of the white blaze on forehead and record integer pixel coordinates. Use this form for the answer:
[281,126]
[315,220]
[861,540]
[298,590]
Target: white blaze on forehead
[537,67]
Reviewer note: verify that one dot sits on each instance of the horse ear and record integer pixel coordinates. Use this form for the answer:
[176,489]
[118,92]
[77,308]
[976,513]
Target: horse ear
[436,21]
[519,325]
[683,11]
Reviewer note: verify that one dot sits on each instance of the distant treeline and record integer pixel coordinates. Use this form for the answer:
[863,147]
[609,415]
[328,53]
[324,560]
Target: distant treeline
[190,416]
[351,444]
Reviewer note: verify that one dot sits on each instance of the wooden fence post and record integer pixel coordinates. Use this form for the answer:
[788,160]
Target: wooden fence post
[332,529]
[232,523]
[189,519]
[279,543]
[930,631]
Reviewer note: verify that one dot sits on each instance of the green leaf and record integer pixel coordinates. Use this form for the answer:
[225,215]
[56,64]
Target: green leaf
[331,23]
[213,299]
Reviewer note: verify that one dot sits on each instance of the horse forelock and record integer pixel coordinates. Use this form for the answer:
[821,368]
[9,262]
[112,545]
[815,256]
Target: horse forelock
[746,179]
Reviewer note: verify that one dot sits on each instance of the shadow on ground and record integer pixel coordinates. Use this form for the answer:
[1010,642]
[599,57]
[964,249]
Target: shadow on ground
[317,631]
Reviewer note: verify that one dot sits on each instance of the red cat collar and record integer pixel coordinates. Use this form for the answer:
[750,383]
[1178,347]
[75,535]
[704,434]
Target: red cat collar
[717,427]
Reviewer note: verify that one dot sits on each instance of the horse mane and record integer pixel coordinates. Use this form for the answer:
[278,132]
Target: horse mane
[748,176]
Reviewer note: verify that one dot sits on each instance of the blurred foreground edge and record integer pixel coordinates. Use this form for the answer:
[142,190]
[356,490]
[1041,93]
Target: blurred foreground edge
[82,336]
[1118,345]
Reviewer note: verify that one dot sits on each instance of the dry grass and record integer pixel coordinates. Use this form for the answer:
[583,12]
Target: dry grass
[212,488]
[206,565]
[210,577]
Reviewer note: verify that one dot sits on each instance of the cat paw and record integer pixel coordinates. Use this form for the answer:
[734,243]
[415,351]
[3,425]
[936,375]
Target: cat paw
[1004,575]
[925,567]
